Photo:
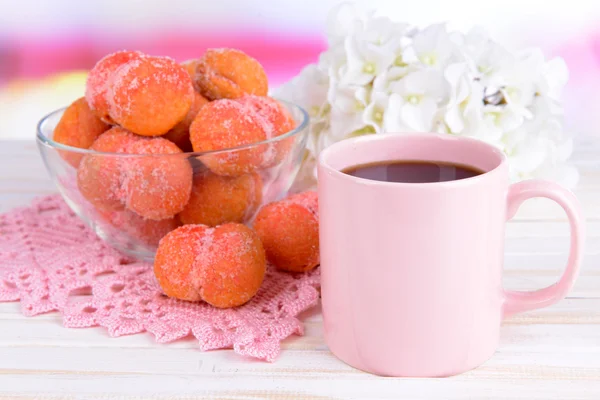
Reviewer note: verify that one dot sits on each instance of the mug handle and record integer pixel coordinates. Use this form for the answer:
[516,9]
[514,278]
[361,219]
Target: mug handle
[519,301]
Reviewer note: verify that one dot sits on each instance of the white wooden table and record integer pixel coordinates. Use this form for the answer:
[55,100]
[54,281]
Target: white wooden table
[552,353]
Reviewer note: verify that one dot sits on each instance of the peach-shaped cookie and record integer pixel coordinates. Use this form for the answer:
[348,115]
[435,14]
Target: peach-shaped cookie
[175,261]
[224,266]
[180,134]
[219,199]
[278,117]
[223,124]
[191,66]
[156,185]
[149,95]
[235,267]
[99,176]
[289,231]
[78,127]
[228,74]
[99,77]
[278,120]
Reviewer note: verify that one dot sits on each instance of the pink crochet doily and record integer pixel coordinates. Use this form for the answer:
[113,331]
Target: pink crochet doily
[50,261]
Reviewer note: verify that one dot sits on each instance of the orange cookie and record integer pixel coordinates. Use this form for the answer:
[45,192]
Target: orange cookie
[149,95]
[222,124]
[175,262]
[228,74]
[99,177]
[190,66]
[219,199]
[289,231]
[278,117]
[98,80]
[78,127]
[180,134]
[156,186]
[279,122]
[224,266]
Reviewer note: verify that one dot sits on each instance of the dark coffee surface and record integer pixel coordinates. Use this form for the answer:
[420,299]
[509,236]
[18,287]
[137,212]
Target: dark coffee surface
[407,171]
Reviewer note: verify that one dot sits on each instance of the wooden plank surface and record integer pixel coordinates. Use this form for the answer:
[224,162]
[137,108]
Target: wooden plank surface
[553,353]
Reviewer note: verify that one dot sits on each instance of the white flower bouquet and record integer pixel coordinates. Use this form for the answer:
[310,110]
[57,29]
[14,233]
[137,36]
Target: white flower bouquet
[383,76]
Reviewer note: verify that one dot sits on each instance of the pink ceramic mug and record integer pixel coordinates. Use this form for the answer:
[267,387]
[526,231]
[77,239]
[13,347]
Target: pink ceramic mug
[412,272]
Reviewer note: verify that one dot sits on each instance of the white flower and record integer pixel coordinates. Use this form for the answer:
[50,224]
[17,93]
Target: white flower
[347,105]
[370,45]
[432,47]
[308,90]
[490,60]
[473,44]
[332,60]
[519,81]
[381,32]
[347,20]
[342,21]
[466,96]
[499,120]
[414,101]
[364,61]
[546,112]
[380,76]
[541,154]
[374,113]
[385,81]
[526,152]
[546,78]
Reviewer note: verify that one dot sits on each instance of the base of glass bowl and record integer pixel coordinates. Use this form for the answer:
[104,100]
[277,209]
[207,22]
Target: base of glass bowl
[131,249]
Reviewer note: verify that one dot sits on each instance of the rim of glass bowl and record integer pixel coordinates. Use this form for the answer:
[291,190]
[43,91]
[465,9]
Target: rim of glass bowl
[46,141]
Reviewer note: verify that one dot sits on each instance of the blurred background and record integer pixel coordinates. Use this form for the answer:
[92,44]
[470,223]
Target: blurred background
[46,47]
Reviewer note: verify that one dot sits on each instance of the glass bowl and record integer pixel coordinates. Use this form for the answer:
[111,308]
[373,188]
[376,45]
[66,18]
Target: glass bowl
[279,161]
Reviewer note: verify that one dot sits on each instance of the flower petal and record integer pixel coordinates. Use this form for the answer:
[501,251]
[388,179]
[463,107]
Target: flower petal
[374,113]
[424,82]
[385,81]
[392,116]
[341,22]
[342,124]
[419,117]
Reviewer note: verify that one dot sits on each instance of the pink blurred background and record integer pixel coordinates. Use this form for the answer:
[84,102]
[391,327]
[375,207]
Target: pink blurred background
[47,46]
